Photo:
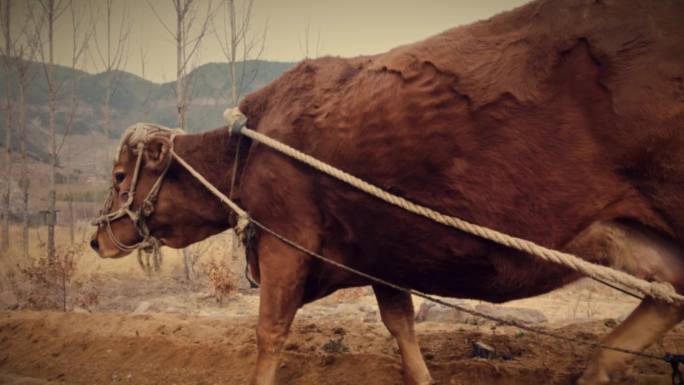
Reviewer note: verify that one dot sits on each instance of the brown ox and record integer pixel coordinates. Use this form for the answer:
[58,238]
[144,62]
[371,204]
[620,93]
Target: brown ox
[561,122]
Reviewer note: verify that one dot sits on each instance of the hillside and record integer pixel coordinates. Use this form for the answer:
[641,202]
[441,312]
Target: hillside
[134,99]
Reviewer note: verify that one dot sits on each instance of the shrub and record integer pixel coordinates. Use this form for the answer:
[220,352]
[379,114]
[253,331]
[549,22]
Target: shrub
[49,281]
[221,279]
[51,284]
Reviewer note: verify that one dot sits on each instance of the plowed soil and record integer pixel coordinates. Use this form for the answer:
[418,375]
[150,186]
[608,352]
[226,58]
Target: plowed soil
[177,349]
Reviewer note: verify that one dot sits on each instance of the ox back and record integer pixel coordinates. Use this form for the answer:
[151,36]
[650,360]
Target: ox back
[541,123]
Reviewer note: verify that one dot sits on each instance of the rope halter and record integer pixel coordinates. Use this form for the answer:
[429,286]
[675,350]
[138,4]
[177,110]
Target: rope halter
[137,136]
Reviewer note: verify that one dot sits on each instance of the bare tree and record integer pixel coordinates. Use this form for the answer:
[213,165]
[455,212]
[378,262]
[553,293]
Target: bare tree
[111,57]
[188,43]
[24,79]
[10,60]
[239,44]
[52,11]
[6,8]
[25,55]
[81,31]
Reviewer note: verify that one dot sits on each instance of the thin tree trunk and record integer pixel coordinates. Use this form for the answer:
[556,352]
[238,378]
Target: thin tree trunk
[234,39]
[72,220]
[8,131]
[52,214]
[108,96]
[70,199]
[78,48]
[8,173]
[106,111]
[187,263]
[63,273]
[180,70]
[180,99]
[23,84]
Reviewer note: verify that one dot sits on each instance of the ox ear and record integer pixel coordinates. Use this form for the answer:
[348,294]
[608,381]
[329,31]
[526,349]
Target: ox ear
[157,152]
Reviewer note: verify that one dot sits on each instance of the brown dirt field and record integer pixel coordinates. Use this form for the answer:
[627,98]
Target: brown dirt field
[108,348]
[182,336]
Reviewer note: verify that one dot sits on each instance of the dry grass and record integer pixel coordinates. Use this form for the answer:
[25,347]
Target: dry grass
[87,262]
[83,271]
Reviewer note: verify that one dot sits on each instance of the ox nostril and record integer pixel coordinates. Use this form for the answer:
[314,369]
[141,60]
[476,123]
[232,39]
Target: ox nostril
[94,244]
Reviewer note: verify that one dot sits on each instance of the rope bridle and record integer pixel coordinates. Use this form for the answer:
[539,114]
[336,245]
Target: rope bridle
[138,216]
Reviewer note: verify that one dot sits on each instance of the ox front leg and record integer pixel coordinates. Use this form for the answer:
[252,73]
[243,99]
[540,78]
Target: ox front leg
[396,310]
[645,325]
[283,273]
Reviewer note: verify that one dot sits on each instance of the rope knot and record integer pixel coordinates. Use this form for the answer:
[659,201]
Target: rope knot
[242,223]
[147,208]
[663,291]
[235,119]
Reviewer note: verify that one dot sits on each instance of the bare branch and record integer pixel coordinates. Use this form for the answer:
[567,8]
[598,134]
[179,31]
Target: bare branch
[10,43]
[145,104]
[187,48]
[60,8]
[233,36]
[156,14]
[80,42]
[53,10]
[198,39]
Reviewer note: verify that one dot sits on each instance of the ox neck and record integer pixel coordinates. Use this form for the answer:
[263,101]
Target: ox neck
[212,155]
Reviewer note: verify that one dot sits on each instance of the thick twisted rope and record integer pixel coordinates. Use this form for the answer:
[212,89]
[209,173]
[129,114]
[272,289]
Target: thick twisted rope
[245,219]
[660,290]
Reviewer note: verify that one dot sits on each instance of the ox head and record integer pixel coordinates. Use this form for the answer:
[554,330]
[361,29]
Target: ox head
[145,201]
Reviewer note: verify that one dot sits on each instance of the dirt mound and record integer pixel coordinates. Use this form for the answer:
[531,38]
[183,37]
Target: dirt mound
[69,348]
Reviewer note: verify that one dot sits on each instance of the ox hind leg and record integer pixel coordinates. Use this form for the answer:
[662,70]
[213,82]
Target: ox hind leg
[396,311]
[642,252]
[645,325]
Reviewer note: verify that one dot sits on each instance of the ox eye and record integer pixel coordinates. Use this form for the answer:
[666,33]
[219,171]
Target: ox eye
[119,177]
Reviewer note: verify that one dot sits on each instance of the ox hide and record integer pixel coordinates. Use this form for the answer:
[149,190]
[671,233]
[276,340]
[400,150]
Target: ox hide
[537,123]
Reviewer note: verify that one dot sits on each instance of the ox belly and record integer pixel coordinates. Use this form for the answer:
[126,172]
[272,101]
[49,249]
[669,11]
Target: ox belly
[407,250]
[491,273]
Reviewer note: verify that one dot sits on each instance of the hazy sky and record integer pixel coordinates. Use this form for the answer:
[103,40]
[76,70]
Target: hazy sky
[344,28]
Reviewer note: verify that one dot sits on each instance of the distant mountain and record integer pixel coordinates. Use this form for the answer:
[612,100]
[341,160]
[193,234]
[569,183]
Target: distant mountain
[135,99]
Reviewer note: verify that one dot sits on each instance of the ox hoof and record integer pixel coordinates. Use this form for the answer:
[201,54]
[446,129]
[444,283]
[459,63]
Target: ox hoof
[423,380]
[594,377]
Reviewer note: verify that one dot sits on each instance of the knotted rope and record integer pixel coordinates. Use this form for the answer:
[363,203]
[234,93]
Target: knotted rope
[660,290]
